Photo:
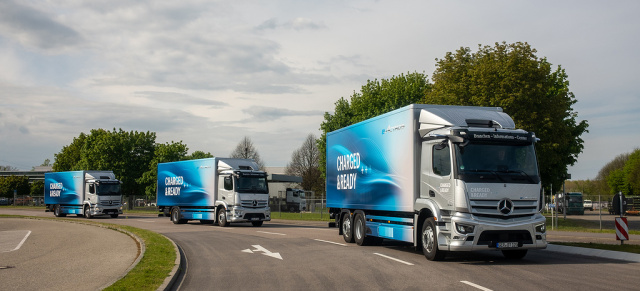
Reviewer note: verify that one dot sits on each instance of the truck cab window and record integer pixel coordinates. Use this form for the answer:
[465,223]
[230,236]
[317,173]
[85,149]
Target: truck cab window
[92,189]
[441,160]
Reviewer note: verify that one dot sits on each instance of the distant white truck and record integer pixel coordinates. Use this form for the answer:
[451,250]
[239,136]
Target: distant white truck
[588,205]
[296,200]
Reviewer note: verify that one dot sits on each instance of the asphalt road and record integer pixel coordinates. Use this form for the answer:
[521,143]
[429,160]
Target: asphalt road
[51,255]
[284,255]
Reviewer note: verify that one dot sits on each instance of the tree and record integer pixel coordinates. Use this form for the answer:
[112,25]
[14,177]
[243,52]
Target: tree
[246,150]
[127,154]
[632,172]
[37,188]
[603,175]
[304,163]
[8,168]
[374,98]
[198,155]
[10,183]
[538,99]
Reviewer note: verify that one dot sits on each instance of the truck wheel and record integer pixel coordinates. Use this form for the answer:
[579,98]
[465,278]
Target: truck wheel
[514,254]
[222,217]
[57,212]
[347,231]
[429,239]
[175,216]
[87,212]
[359,232]
[257,223]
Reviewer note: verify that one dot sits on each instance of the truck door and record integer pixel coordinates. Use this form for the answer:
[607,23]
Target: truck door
[90,190]
[436,174]
[225,189]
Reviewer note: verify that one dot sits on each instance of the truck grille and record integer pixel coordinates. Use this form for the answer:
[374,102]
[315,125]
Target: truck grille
[254,203]
[109,203]
[497,208]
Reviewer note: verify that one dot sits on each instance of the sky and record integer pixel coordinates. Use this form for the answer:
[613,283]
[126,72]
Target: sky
[209,73]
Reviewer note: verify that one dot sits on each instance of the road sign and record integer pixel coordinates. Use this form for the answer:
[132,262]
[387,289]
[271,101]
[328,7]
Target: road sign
[622,229]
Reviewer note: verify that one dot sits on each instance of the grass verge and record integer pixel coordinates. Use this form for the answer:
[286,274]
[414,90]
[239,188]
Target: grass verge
[155,265]
[308,216]
[580,225]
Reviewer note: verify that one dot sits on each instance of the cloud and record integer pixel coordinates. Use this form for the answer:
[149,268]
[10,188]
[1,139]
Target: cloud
[178,98]
[298,24]
[263,113]
[34,28]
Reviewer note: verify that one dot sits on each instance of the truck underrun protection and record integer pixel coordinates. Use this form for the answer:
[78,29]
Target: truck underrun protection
[445,178]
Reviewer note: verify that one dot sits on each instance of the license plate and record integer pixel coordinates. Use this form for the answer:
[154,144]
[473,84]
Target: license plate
[255,218]
[506,245]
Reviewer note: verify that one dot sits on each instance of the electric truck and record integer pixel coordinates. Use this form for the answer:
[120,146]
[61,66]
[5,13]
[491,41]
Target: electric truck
[445,178]
[84,193]
[213,190]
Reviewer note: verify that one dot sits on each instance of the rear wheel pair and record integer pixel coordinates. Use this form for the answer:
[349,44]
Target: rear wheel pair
[354,229]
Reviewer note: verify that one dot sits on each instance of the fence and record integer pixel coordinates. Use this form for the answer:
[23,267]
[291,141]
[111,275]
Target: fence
[315,209]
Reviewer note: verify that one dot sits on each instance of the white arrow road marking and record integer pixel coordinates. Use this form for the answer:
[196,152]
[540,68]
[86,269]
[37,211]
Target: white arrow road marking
[9,240]
[259,248]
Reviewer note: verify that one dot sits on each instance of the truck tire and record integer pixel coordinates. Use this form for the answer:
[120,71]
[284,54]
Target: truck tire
[514,254]
[87,212]
[347,230]
[359,230]
[57,212]
[257,223]
[175,216]
[222,217]
[429,239]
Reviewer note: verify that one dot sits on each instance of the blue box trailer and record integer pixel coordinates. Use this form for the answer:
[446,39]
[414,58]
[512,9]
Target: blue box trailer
[429,175]
[84,193]
[213,190]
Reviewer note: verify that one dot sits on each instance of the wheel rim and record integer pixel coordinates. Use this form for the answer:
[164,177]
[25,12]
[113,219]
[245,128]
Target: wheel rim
[428,239]
[174,215]
[221,217]
[346,226]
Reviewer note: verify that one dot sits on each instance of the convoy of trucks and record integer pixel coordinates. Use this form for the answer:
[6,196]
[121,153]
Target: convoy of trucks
[213,190]
[445,178]
[84,193]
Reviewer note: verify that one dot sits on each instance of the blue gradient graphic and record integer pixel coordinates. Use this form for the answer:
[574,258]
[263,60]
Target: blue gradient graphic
[72,187]
[384,178]
[196,187]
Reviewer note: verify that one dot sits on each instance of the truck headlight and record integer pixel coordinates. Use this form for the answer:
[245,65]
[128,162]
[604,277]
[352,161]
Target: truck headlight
[464,228]
[541,228]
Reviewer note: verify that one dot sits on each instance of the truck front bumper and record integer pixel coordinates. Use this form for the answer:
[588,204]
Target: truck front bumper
[243,214]
[492,233]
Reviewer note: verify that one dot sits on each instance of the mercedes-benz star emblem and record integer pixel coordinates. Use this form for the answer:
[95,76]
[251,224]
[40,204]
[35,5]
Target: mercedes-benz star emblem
[505,206]
[255,203]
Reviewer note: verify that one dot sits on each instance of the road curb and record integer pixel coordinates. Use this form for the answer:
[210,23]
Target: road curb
[606,254]
[178,269]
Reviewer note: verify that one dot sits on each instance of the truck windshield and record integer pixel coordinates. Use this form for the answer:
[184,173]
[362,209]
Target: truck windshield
[108,189]
[252,184]
[497,163]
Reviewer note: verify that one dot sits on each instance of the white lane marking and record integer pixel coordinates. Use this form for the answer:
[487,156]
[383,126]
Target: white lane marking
[335,243]
[259,248]
[146,220]
[390,258]
[476,285]
[11,235]
[271,232]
